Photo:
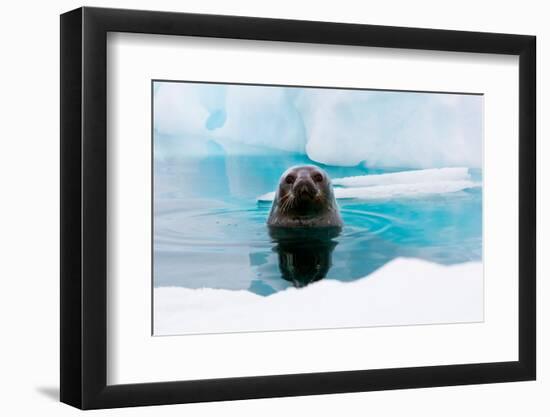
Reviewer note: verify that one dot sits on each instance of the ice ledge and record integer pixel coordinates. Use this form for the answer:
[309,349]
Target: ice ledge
[400,184]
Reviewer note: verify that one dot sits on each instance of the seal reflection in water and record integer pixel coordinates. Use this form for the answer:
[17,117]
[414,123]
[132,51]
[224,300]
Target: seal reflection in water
[303,222]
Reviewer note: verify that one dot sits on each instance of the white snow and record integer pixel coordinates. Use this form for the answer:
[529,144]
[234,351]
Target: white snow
[403,292]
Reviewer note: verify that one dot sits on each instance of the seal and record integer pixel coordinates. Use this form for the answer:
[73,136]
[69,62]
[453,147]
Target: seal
[304,199]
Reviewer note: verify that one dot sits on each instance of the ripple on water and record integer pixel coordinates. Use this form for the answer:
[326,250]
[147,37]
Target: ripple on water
[245,227]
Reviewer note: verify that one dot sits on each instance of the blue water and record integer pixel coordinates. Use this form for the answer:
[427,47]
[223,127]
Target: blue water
[209,230]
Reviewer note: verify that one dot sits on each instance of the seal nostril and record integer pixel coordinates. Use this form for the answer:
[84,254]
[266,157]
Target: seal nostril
[305,189]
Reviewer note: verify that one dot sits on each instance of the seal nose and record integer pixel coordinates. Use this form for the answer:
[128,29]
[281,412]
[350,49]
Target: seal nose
[304,188]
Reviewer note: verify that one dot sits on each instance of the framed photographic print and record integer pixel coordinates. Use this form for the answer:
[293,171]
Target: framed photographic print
[258,207]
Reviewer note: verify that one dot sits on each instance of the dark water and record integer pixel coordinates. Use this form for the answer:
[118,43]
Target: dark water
[209,230]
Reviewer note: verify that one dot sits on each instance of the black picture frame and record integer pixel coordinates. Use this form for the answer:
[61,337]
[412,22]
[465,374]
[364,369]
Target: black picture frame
[84,207]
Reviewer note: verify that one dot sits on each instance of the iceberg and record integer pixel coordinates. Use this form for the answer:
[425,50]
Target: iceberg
[330,126]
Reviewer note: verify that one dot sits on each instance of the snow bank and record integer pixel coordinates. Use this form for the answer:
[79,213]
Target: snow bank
[333,127]
[403,292]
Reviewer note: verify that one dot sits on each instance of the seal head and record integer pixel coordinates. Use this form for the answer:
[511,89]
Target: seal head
[305,199]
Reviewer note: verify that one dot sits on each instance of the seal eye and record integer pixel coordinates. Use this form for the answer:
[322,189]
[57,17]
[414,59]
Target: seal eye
[290,179]
[317,177]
